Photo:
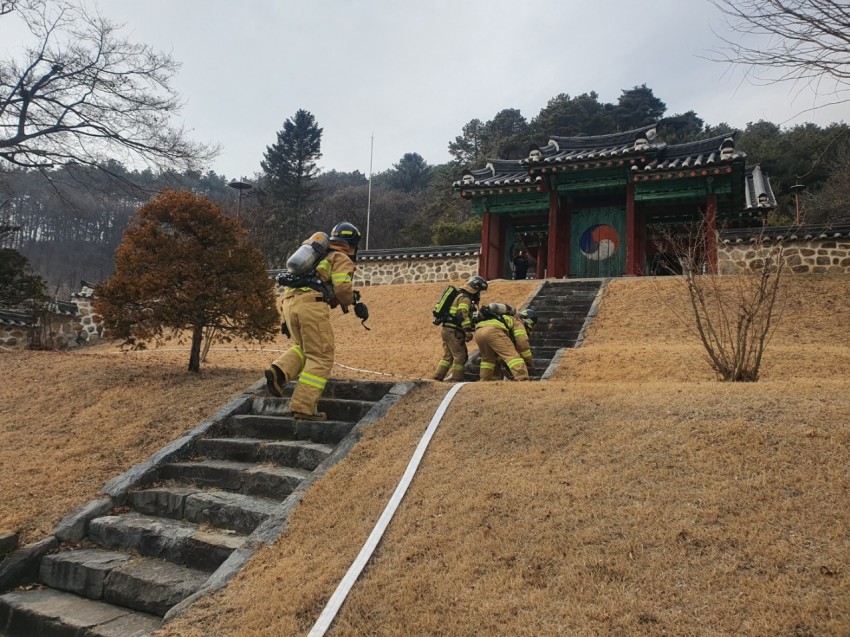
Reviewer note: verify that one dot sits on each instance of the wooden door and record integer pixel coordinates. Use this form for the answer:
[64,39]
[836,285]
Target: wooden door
[598,242]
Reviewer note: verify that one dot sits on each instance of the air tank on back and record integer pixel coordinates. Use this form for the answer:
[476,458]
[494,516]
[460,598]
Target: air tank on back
[304,259]
[500,309]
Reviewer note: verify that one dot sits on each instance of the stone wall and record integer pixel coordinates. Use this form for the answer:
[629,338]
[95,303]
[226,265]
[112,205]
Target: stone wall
[65,325]
[806,252]
[415,270]
[13,336]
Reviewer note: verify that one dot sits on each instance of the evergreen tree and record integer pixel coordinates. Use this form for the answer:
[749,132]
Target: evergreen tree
[290,171]
[411,173]
[638,107]
[573,116]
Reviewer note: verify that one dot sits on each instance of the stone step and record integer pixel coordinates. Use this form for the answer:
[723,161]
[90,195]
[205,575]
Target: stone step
[371,391]
[562,313]
[345,409]
[221,509]
[572,284]
[549,343]
[556,329]
[243,477]
[301,454]
[51,613]
[583,299]
[329,432]
[140,583]
[177,541]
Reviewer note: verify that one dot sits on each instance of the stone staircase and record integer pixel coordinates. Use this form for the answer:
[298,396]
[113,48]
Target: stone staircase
[563,308]
[190,518]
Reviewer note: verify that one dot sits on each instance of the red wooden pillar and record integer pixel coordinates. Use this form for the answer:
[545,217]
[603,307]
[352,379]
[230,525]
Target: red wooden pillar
[492,249]
[711,232]
[542,260]
[484,257]
[558,253]
[632,235]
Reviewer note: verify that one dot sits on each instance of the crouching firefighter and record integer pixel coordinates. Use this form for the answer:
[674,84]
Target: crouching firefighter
[502,337]
[457,330]
[306,312]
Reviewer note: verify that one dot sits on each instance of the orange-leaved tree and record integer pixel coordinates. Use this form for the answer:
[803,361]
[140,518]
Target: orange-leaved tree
[184,266]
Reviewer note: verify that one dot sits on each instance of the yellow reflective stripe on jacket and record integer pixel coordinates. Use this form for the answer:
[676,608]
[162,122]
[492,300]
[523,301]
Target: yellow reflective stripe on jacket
[520,332]
[515,362]
[526,354]
[313,381]
[495,322]
[325,265]
[340,277]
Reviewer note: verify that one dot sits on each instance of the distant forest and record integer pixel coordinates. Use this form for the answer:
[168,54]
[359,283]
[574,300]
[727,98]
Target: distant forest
[71,219]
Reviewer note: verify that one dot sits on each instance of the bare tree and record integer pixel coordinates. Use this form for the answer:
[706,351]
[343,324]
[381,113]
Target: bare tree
[732,316]
[84,93]
[805,41]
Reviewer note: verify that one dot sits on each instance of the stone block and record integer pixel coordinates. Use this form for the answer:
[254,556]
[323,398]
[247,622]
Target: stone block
[151,586]
[21,567]
[8,542]
[72,527]
[82,572]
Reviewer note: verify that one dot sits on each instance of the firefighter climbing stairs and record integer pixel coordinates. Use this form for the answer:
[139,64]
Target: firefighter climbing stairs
[563,309]
[189,517]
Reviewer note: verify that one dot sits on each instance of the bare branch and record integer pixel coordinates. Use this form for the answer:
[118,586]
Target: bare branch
[800,41]
[86,94]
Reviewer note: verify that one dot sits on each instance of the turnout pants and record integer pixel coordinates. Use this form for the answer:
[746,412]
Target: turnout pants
[311,358]
[494,344]
[455,355]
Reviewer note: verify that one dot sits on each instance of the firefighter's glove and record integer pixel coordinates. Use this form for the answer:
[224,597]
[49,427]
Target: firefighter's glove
[361,311]
[467,337]
[284,329]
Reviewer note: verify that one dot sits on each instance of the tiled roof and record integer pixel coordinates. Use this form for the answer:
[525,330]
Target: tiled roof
[704,153]
[561,150]
[63,307]
[86,290]
[15,318]
[805,232]
[402,254]
[10,316]
[427,252]
[757,189]
[499,172]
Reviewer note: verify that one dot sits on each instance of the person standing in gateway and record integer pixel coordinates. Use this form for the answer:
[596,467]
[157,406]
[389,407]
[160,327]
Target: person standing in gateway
[520,266]
[306,313]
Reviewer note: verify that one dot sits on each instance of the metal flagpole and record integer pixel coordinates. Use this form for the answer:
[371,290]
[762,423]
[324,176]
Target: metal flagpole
[369,201]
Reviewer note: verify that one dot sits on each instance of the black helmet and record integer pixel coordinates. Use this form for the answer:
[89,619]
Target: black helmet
[347,233]
[477,283]
[528,317]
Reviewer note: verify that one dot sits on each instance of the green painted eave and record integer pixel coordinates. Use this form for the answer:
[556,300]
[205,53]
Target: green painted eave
[511,203]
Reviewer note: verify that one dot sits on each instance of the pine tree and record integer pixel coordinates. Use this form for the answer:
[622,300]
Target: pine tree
[290,170]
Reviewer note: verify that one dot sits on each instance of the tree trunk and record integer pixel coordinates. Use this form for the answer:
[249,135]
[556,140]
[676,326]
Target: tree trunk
[195,353]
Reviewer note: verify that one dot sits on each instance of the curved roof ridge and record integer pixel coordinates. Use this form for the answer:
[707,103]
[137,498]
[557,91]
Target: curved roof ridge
[701,146]
[603,141]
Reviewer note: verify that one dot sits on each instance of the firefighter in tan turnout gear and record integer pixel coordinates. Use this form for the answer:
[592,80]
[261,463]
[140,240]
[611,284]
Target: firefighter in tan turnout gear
[457,330]
[306,313]
[504,337]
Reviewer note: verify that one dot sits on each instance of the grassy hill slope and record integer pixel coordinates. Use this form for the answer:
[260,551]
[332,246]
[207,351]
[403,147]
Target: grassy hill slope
[630,495]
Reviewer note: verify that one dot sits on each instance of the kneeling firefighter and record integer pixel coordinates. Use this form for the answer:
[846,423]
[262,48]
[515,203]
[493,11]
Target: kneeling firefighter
[306,313]
[504,337]
[457,330]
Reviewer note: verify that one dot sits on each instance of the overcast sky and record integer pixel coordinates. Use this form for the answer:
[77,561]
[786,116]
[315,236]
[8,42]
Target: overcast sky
[413,72]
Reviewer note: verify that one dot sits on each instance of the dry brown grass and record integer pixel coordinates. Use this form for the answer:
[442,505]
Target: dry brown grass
[630,495]
[69,422]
